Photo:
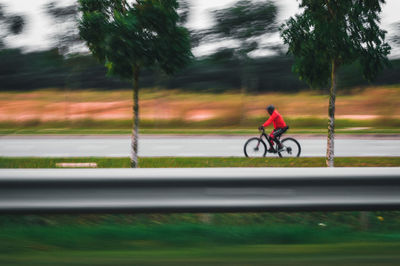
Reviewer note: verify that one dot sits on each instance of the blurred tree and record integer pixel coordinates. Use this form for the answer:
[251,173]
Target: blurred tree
[10,24]
[183,11]
[247,22]
[395,37]
[332,33]
[66,38]
[66,20]
[129,37]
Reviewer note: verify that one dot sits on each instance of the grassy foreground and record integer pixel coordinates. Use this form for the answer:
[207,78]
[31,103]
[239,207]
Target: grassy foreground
[371,254]
[195,245]
[184,239]
[187,162]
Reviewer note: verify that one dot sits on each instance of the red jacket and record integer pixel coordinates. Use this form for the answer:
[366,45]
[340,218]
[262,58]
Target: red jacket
[276,119]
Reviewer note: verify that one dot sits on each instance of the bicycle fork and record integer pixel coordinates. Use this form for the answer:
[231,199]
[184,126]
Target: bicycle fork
[258,144]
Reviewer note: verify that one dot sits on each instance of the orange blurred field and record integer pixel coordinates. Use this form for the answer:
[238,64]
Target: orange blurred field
[156,104]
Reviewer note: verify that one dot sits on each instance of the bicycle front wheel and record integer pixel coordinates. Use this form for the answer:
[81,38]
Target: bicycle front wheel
[255,147]
[291,148]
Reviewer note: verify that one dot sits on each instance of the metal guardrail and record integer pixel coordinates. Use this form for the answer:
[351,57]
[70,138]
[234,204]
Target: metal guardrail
[198,190]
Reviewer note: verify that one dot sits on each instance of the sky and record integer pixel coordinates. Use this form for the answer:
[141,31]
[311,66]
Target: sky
[40,27]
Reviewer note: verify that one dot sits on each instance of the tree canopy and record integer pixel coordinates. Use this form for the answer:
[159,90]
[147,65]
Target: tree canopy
[143,34]
[339,30]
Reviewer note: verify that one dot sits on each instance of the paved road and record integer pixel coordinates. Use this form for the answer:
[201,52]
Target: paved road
[119,146]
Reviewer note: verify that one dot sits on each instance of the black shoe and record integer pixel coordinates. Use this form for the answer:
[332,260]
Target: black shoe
[280,147]
[272,150]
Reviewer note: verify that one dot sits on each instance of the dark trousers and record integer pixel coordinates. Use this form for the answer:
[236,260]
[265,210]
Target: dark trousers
[276,134]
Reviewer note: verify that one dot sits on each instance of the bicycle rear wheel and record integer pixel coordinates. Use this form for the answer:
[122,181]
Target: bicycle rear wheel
[291,148]
[255,147]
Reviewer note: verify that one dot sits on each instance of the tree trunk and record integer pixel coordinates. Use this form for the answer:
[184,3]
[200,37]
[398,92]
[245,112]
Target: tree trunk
[330,152]
[135,124]
[243,88]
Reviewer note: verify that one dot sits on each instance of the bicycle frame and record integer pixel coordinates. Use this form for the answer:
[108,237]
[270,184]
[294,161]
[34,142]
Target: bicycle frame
[267,137]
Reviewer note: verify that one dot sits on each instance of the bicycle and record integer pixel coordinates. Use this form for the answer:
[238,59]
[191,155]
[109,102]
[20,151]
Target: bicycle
[256,147]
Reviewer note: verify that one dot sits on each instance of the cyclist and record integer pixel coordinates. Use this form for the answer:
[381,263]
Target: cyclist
[280,127]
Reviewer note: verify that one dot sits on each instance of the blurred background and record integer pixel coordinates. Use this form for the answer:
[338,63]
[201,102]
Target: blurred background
[50,83]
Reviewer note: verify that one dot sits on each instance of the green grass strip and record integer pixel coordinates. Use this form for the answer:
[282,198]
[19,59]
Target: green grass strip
[297,255]
[195,245]
[190,162]
[355,254]
[117,237]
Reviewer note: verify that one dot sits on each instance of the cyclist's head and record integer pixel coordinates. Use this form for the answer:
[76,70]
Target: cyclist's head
[270,109]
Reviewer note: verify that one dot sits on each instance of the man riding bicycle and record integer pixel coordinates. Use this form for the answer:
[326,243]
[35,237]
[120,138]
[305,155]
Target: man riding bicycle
[280,127]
